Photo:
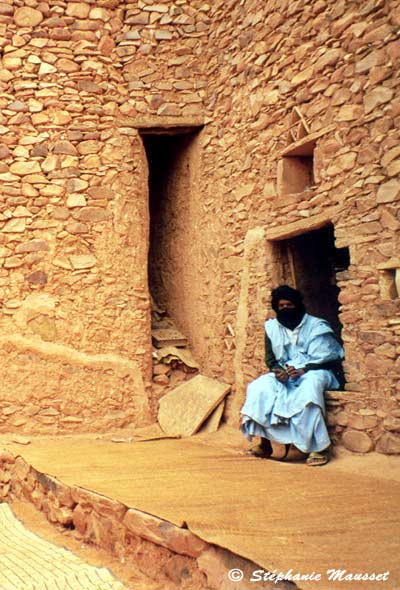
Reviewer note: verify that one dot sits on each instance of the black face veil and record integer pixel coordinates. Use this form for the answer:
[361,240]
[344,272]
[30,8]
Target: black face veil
[290,318]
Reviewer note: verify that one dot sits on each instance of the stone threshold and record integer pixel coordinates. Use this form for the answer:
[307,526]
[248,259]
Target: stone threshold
[150,544]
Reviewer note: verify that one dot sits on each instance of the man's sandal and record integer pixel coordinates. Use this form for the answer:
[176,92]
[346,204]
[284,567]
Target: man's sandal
[285,454]
[314,459]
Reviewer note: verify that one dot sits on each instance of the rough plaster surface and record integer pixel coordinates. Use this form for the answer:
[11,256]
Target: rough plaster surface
[79,83]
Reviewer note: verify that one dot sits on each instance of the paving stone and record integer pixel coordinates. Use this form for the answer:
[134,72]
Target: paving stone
[31,558]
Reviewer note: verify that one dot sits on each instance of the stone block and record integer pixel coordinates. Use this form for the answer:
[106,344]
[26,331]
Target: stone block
[44,326]
[15,226]
[76,200]
[26,16]
[89,87]
[362,422]
[388,192]
[163,533]
[219,566]
[6,457]
[89,147]
[78,9]
[38,277]
[356,441]
[67,65]
[392,423]
[25,168]
[80,518]
[93,215]
[109,508]
[82,261]
[21,469]
[46,68]
[388,444]
[76,185]
[377,96]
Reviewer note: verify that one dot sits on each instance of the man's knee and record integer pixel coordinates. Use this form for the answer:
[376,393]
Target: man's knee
[316,377]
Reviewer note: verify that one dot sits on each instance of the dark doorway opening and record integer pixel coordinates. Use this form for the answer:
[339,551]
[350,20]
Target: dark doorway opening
[170,183]
[311,262]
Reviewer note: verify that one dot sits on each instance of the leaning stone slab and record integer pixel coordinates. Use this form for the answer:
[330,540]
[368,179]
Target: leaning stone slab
[184,409]
[212,422]
[163,533]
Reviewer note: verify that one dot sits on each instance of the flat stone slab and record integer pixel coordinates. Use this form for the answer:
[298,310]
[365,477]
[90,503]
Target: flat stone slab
[168,337]
[184,409]
[212,422]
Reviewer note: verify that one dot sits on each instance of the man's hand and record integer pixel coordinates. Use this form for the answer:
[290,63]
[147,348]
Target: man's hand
[281,375]
[294,373]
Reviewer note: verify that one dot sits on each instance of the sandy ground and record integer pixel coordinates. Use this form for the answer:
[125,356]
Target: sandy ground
[275,513]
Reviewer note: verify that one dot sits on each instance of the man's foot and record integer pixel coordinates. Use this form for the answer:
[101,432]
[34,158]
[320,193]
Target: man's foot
[283,456]
[263,450]
[318,458]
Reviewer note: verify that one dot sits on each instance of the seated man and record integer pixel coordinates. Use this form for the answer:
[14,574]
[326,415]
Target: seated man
[287,405]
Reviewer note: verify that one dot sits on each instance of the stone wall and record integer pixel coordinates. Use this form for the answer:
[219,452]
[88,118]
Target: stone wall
[298,103]
[78,79]
[291,79]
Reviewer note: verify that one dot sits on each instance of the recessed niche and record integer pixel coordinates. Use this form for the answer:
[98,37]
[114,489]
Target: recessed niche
[296,168]
[389,283]
[295,174]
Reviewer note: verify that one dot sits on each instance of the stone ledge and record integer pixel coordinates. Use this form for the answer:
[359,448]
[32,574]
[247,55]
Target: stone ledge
[297,147]
[344,396]
[162,122]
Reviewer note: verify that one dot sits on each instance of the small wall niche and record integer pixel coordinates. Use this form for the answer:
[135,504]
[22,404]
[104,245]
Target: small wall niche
[389,281]
[296,168]
[295,174]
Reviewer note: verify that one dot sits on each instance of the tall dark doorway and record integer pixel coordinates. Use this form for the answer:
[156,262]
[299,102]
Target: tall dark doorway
[173,219]
[312,261]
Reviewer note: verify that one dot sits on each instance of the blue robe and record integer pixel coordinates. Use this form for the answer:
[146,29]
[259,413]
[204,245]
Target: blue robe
[293,412]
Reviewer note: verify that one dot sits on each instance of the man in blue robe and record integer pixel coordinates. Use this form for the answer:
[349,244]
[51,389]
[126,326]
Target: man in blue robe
[287,404]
